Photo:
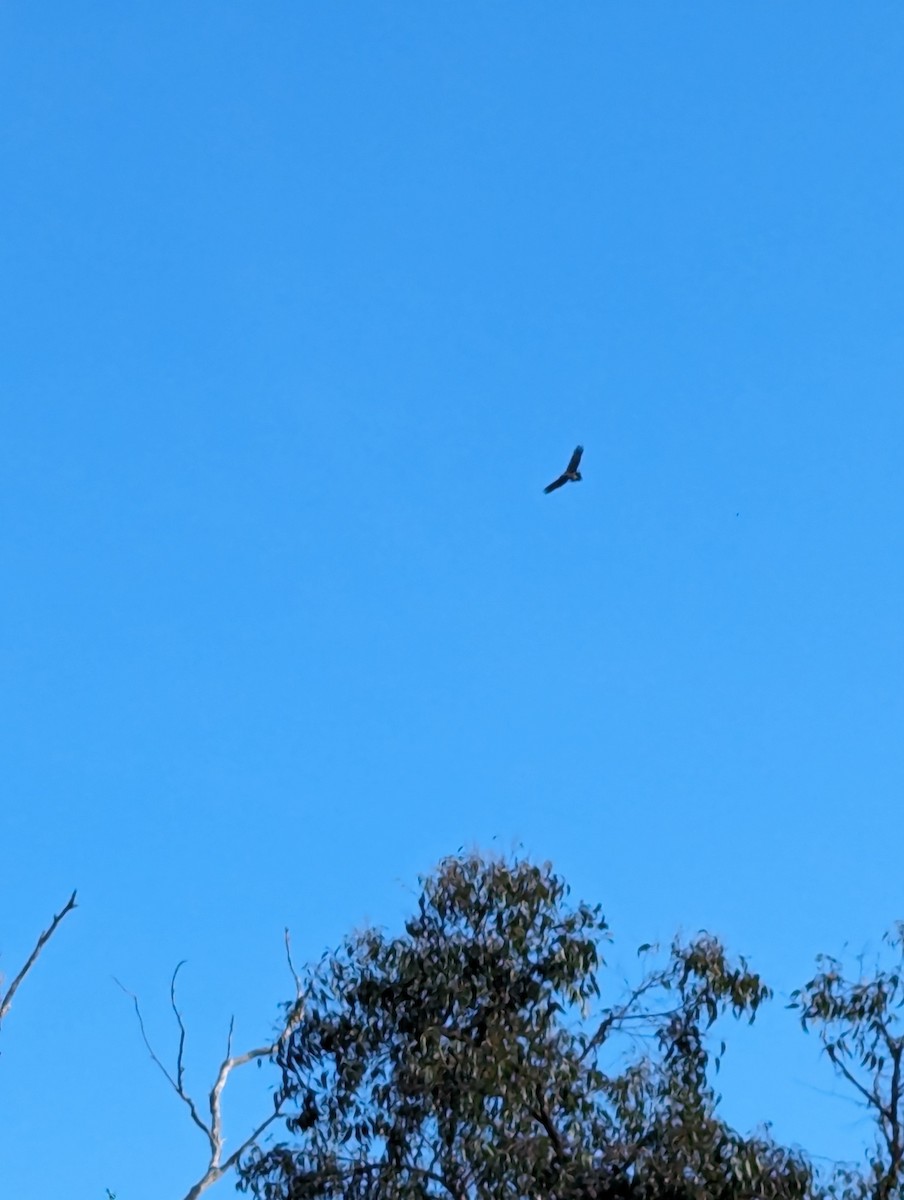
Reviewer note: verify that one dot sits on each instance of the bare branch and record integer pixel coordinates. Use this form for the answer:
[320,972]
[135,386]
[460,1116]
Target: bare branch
[144,1036]
[249,1141]
[216,1092]
[180,1056]
[294,1014]
[217,1166]
[176,1086]
[298,988]
[6,1001]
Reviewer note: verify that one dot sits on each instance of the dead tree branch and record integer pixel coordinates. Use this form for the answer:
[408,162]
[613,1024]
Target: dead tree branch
[6,1001]
[212,1127]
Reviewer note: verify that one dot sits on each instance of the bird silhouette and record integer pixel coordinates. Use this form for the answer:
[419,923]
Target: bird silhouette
[571,474]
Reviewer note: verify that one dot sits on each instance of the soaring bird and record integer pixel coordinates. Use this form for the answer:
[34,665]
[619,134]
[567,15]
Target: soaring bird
[571,472]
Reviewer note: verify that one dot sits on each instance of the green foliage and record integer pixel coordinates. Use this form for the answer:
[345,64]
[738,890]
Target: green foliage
[859,1023]
[475,1056]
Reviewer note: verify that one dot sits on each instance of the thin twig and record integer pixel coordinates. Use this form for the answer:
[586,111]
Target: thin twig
[42,941]
[177,1087]
[298,988]
[872,1098]
[144,1036]
[180,1055]
[294,1014]
[623,1013]
[249,1141]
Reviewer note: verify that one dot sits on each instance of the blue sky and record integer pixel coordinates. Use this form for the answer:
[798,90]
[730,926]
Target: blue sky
[303,305]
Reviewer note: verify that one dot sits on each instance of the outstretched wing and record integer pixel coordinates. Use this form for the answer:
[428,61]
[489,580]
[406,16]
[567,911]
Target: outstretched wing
[575,459]
[556,484]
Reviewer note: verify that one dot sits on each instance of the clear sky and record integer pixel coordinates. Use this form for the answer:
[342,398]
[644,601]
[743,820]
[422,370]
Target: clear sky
[302,306]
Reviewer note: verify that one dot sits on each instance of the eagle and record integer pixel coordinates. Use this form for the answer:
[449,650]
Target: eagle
[570,474]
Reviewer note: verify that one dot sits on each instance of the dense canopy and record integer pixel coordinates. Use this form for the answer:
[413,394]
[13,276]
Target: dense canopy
[484,1052]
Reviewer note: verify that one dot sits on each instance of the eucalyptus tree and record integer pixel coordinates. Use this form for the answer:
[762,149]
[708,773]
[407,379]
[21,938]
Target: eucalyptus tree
[484,1053]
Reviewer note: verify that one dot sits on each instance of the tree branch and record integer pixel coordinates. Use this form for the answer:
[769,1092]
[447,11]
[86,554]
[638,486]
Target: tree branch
[615,1016]
[895,1147]
[216,1092]
[217,1166]
[872,1098]
[541,1113]
[176,1083]
[6,1001]
[180,1054]
[294,973]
